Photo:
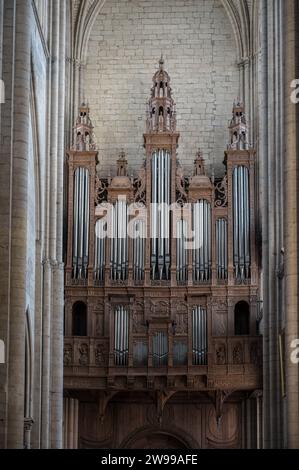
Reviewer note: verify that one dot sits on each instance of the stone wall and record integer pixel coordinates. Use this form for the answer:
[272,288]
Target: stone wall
[200,54]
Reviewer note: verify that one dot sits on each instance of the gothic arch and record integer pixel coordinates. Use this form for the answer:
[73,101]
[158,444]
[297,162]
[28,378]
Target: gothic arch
[86,15]
[177,436]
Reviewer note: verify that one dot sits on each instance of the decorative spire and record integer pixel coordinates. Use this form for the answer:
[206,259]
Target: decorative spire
[238,128]
[83,131]
[161,63]
[122,164]
[199,164]
[161,113]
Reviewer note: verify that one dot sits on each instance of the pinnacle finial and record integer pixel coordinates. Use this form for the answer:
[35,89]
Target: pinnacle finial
[199,163]
[161,62]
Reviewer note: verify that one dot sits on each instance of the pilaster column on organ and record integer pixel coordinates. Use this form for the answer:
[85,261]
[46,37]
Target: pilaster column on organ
[148,241]
[130,340]
[91,262]
[173,263]
[130,253]
[110,308]
[253,217]
[231,316]
[189,339]
[170,345]
[107,274]
[68,309]
[213,244]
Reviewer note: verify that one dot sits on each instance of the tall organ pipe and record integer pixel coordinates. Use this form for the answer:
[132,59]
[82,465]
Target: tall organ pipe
[221,243]
[161,179]
[199,335]
[241,221]
[100,251]
[81,224]
[202,259]
[138,250]
[119,243]
[181,251]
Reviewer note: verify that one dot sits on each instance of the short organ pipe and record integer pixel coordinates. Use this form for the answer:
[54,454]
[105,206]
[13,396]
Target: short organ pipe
[121,336]
[199,336]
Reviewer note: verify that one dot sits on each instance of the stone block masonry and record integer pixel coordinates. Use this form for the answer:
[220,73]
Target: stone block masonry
[200,54]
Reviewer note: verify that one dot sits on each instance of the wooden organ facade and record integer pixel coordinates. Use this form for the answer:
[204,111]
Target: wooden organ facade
[161,293]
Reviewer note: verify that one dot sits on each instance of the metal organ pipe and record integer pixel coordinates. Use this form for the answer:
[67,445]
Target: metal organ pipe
[161,178]
[121,335]
[241,220]
[199,335]
[181,251]
[100,251]
[221,243]
[160,349]
[119,242]
[138,250]
[81,224]
[202,260]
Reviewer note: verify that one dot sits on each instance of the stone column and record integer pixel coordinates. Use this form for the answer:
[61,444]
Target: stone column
[291,13]
[270,149]
[59,44]
[18,150]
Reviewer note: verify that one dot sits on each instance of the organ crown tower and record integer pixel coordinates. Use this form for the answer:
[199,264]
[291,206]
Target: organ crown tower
[161,107]
[238,128]
[83,131]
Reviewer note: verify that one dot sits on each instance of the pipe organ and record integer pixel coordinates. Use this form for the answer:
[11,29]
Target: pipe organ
[163,259]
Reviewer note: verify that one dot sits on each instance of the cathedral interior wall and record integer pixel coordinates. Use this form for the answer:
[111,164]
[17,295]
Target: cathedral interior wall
[199,48]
